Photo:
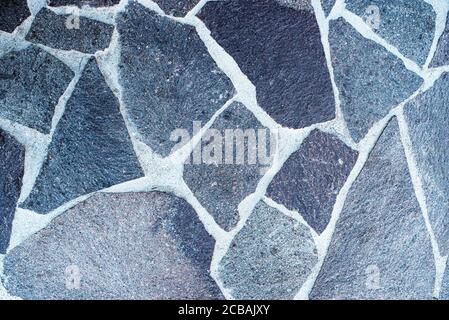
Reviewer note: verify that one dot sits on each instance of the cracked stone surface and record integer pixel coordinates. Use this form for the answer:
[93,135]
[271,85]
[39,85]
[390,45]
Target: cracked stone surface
[311,178]
[81,3]
[12,14]
[178,8]
[441,56]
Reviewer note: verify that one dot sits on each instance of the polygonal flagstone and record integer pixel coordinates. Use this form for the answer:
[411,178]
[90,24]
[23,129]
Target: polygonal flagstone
[297,4]
[12,157]
[12,14]
[122,246]
[279,49]
[69,32]
[31,83]
[81,3]
[168,78]
[90,150]
[327,6]
[408,25]
[428,120]
[380,248]
[310,180]
[177,7]
[371,81]
[441,56]
[222,178]
[270,258]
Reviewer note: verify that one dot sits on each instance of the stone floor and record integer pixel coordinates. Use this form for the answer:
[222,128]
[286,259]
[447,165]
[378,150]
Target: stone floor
[230,149]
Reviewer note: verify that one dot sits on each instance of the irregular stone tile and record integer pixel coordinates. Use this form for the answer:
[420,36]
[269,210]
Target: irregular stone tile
[12,14]
[177,7]
[297,4]
[270,258]
[408,25]
[441,56]
[312,177]
[90,150]
[31,83]
[124,246]
[371,81]
[223,181]
[63,32]
[380,248]
[81,3]
[428,120]
[327,6]
[12,158]
[168,78]
[280,51]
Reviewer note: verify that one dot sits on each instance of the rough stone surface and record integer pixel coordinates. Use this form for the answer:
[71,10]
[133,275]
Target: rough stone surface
[380,248]
[126,246]
[297,4]
[219,185]
[280,50]
[312,177]
[31,83]
[90,150]
[441,56]
[428,120]
[371,80]
[168,78]
[12,14]
[270,258]
[12,157]
[53,30]
[177,7]
[327,6]
[81,3]
[408,25]
[444,295]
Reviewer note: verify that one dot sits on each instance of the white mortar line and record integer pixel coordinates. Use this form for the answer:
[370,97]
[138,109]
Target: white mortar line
[441,8]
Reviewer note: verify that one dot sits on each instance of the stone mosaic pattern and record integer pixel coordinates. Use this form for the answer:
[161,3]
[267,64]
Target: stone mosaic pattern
[233,149]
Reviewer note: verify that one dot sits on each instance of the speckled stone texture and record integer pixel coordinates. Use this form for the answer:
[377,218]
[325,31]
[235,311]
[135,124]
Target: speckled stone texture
[220,185]
[90,150]
[279,49]
[168,78]
[270,258]
[385,252]
[178,8]
[409,25]
[441,56]
[81,3]
[371,80]
[31,83]
[297,4]
[125,246]
[444,295]
[63,32]
[12,14]
[327,6]
[12,157]
[428,120]
[310,180]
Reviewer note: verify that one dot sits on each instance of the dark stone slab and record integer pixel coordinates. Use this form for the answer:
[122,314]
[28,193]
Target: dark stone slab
[312,177]
[327,6]
[81,3]
[31,83]
[270,258]
[12,158]
[441,56]
[428,120]
[125,246]
[220,184]
[371,80]
[280,50]
[12,14]
[380,248]
[177,7]
[408,25]
[63,32]
[168,78]
[90,150]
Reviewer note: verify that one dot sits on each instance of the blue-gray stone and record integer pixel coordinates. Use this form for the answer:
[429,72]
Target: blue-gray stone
[441,56]
[177,7]
[81,3]
[279,48]
[123,246]
[31,83]
[371,80]
[270,258]
[444,293]
[380,248]
[297,4]
[310,180]
[63,32]
[408,25]
[90,150]
[168,78]
[12,14]
[428,120]
[12,158]
[327,6]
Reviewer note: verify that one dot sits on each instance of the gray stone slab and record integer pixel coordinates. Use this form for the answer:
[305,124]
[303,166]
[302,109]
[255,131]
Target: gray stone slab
[310,180]
[90,150]
[279,49]
[178,8]
[441,56]
[371,81]
[270,258]
[31,83]
[122,246]
[81,3]
[444,293]
[168,78]
[327,6]
[297,4]
[68,32]
[12,14]
[380,248]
